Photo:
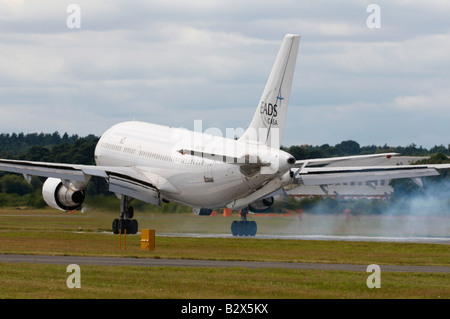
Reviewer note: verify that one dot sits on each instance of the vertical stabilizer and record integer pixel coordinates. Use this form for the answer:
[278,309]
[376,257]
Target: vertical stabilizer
[268,122]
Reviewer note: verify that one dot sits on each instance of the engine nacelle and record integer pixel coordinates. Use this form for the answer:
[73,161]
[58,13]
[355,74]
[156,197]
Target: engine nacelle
[261,205]
[58,196]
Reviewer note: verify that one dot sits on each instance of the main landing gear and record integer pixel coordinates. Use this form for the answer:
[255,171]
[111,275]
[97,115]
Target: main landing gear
[244,227]
[125,222]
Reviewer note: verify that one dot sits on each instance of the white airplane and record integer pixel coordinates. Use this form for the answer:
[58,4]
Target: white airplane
[158,164]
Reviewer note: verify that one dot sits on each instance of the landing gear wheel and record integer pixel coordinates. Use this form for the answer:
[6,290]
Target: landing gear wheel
[133,226]
[253,228]
[243,228]
[234,226]
[120,225]
[129,213]
[125,222]
[115,226]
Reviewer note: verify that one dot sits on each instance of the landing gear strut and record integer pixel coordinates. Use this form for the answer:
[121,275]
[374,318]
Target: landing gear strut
[126,214]
[244,227]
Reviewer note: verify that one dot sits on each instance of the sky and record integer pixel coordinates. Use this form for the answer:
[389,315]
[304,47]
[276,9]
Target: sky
[81,69]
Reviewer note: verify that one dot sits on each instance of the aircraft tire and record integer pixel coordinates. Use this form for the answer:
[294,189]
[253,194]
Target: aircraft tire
[133,226]
[253,228]
[243,228]
[120,225]
[115,226]
[234,230]
[129,212]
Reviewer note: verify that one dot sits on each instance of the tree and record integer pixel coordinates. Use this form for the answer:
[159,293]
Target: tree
[349,147]
[38,153]
[14,184]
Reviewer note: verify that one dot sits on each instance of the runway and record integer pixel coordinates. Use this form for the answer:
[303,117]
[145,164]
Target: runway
[390,239]
[149,262]
[386,239]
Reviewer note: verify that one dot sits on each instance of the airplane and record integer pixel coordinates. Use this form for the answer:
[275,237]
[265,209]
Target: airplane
[159,164]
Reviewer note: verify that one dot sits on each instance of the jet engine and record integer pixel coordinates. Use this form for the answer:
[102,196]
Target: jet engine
[261,205]
[58,196]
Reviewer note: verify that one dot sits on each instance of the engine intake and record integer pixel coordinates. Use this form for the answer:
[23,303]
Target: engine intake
[58,196]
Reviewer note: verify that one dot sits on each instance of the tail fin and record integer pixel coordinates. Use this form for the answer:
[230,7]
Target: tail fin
[268,122]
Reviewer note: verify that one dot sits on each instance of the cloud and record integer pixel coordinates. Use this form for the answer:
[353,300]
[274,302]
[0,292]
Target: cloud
[173,62]
[436,101]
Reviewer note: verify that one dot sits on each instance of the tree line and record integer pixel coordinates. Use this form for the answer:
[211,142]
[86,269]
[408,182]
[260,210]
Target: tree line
[80,150]
[48,147]
[350,147]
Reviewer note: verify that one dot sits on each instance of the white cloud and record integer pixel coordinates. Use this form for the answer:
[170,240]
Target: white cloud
[172,62]
[437,102]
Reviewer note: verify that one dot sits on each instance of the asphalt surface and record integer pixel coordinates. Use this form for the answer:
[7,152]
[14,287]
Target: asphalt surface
[148,262]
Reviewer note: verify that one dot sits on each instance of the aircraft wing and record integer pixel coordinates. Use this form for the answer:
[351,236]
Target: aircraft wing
[136,182]
[314,176]
[329,160]
[62,171]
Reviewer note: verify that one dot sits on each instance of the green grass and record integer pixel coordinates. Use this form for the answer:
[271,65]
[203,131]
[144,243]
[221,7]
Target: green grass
[92,244]
[49,281]
[55,233]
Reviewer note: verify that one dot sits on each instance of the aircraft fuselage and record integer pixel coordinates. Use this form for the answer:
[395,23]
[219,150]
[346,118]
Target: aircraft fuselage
[200,170]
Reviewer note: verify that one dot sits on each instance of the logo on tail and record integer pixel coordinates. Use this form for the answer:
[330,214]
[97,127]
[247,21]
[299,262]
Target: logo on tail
[269,111]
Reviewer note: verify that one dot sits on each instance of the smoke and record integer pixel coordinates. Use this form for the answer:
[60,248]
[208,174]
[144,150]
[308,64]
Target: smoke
[412,211]
[423,212]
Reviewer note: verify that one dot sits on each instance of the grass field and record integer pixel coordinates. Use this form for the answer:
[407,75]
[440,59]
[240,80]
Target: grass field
[55,233]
